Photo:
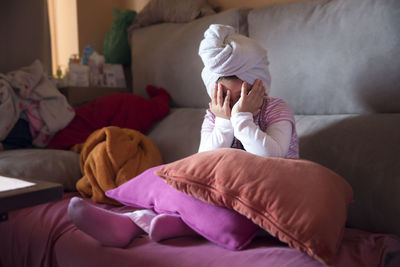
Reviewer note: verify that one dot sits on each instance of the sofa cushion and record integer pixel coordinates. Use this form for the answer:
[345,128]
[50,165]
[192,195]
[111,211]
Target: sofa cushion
[166,55]
[178,135]
[300,202]
[57,166]
[364,150]
[332,56]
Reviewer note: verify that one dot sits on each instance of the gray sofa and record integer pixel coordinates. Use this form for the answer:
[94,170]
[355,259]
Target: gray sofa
[336,63]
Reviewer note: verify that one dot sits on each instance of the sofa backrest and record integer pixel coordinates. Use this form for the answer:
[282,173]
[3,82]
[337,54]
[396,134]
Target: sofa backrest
[329,59]
[332,57]
[326,57]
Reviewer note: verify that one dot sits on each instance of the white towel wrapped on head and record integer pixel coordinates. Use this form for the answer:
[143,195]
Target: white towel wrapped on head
[226,53]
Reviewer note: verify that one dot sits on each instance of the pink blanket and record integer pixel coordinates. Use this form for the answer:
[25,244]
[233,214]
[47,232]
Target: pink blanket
[43,236]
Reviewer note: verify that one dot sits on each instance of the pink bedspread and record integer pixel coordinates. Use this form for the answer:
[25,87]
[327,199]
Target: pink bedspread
[43,236]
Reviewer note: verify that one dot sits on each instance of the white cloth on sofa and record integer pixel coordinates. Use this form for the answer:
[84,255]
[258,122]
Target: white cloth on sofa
[226,53]
[9,109]
[27,93]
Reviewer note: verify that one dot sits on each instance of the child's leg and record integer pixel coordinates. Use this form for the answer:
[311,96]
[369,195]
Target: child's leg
[142,218]
[166,226]
[110,228]
[160,226]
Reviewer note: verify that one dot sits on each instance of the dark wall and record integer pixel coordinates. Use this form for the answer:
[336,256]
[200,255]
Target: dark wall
[24,34]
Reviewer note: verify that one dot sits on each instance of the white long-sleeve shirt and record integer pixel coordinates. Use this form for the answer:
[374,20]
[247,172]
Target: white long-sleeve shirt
[271,133]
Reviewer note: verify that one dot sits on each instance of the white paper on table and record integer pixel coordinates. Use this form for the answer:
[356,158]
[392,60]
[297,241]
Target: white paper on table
[7,183]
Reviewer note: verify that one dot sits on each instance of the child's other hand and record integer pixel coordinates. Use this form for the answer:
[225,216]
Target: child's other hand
[218,105]
[250,102]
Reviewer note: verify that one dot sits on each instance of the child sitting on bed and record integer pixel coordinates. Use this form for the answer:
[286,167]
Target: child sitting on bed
[240,115]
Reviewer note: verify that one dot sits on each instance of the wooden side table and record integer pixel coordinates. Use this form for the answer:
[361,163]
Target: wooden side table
[41,192]
[77,96]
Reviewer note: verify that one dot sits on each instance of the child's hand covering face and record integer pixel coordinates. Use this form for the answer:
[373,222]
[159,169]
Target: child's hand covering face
[230,93]
[219,104]
[252,101]
[234,85]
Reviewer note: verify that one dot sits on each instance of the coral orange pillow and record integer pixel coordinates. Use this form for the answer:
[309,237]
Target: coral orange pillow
[300,202]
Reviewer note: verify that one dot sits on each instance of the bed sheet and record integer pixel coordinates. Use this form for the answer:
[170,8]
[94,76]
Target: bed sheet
[43,236]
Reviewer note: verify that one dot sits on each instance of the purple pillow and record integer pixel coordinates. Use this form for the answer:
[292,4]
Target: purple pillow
[220,225]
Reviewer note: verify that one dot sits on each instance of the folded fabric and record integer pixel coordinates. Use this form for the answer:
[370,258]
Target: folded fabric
[9,108]
[43,106]
[226,53]
[121,110]
[222,226]
[110,157]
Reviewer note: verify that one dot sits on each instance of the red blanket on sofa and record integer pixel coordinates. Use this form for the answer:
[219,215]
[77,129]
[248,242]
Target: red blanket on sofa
[121,110]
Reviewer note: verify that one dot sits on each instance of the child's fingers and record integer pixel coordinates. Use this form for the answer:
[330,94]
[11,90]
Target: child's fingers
[258,90]
[227,100]
[220,99]
[259,95]
[256,84]
[264,90]
[255,97]
[257,87]
[243,92]
[214,94]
